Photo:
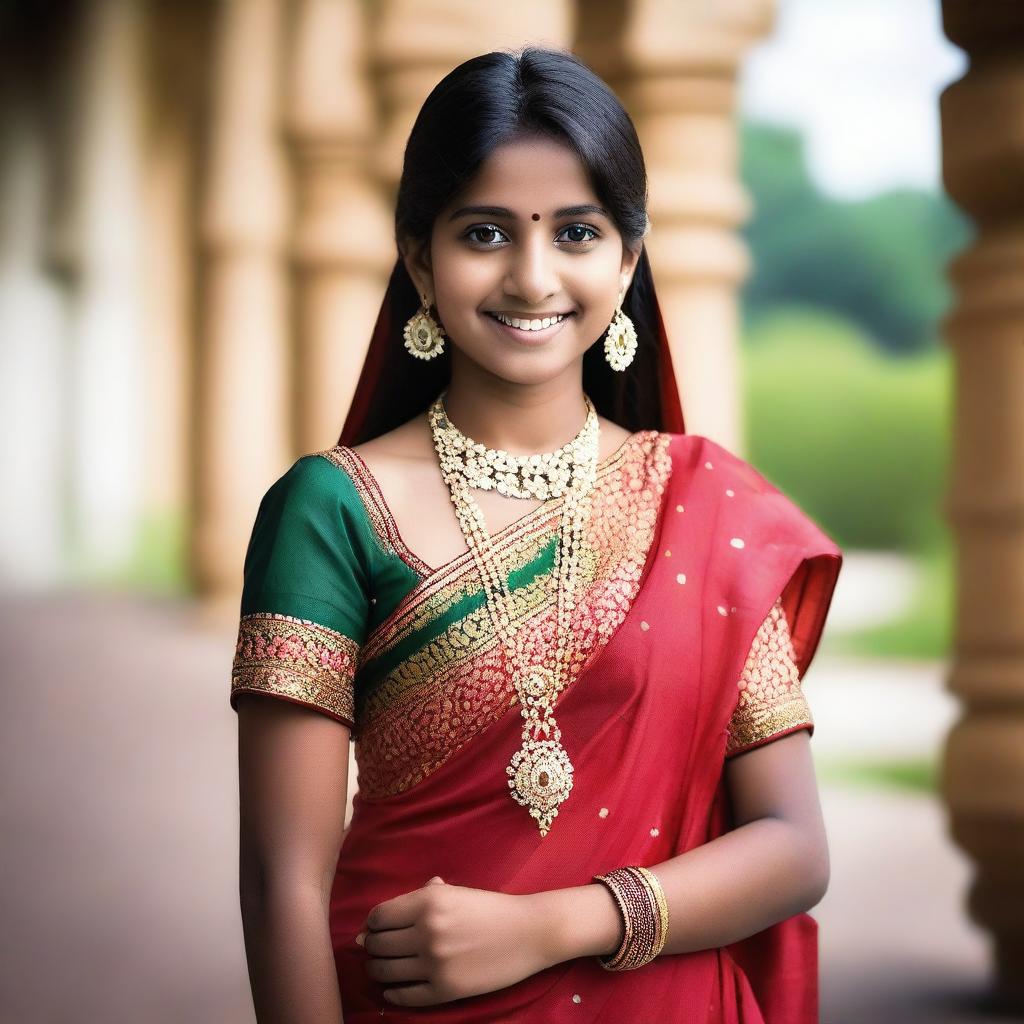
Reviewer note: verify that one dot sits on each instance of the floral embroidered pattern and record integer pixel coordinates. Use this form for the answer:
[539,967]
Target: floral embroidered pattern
[435,675]
[296,659]
[771,702]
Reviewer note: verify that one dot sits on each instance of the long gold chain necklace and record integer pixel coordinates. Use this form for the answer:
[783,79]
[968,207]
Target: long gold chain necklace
[540,770]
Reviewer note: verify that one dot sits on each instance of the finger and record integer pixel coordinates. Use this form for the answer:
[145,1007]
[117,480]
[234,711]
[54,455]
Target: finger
[392,942]
[397,912]
[391,970]
[421,994]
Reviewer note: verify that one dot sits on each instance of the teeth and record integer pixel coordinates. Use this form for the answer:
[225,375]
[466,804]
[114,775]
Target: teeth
[528,325]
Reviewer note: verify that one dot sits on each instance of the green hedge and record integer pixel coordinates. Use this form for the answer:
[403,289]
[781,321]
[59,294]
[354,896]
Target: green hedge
[857,438]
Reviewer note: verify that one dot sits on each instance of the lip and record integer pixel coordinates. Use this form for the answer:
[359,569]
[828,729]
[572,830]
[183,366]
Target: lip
[528,338]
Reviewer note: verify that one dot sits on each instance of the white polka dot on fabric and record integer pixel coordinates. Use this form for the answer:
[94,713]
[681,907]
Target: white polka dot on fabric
[603,813]
[681,577]
[707,465]
[729,492]
[737,542]
[645,626]
[655,832]
[679,508]
[577,998]
[722,610]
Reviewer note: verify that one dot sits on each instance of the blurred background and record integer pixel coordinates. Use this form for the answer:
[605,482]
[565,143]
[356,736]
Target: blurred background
[195,234]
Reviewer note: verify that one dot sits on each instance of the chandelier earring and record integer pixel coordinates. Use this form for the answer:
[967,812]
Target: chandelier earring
[620,339]
[424,337]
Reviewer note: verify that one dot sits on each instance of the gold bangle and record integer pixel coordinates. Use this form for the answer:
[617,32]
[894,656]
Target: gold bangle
[641,902]
[662,906]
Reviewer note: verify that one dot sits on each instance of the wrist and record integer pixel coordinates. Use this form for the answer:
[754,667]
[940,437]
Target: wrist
[576,922]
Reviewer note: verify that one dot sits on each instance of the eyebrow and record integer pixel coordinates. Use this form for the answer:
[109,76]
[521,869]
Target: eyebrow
[504,211]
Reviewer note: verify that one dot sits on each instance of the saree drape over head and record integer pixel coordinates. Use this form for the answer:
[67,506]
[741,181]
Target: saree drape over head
[703,594]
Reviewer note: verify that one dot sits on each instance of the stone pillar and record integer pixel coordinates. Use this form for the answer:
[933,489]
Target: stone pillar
[243,438]
[177,63]
[675,67]
[342,246]
[983,762]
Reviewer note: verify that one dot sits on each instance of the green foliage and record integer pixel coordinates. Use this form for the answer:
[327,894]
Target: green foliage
[918,775]
[856,438]
[880,262]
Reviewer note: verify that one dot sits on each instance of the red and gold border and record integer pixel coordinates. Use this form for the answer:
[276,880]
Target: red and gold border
[298,660]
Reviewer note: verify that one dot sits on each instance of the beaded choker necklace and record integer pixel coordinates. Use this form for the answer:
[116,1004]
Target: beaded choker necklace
[540,772]
[518,476]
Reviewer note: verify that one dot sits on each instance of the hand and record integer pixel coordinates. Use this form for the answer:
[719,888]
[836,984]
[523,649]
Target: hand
[443,942]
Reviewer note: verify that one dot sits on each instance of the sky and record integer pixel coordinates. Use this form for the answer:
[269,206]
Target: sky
[861,79]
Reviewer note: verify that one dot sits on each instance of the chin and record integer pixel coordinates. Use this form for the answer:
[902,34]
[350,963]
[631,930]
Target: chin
[529,368]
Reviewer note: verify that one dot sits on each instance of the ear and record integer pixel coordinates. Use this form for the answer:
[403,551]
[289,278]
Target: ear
[630,258]
[416,256]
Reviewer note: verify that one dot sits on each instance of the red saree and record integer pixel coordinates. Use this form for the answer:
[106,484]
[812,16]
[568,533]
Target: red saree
[692,549]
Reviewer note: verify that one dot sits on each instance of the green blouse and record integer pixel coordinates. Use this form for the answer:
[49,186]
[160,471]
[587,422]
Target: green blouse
[312,562]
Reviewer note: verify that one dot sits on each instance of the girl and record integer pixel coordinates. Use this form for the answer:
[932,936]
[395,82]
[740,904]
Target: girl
[566,636]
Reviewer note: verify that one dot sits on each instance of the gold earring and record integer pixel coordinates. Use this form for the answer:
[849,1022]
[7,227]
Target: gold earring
[620,339]
[424,337]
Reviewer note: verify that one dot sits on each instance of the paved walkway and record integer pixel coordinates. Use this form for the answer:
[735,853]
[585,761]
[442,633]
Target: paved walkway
[119,818]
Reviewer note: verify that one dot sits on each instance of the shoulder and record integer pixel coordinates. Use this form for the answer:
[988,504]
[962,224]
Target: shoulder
[696,454]
[725,481]
[397,459]
[321,499]
[316,482]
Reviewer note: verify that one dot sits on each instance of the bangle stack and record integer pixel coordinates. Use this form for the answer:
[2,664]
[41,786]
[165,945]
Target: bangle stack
[641,900]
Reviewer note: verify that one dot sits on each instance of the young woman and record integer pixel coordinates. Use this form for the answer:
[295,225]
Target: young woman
[566,636]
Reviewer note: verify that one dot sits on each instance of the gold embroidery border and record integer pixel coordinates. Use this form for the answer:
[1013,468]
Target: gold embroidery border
[300,660]
[771,702]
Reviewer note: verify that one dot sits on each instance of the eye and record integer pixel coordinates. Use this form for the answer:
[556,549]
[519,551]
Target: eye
[487,229]
[581,227]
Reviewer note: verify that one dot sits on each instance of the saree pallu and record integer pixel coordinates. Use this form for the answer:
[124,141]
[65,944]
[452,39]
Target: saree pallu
[689,550]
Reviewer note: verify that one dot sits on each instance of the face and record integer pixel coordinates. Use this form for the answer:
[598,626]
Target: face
[526,240]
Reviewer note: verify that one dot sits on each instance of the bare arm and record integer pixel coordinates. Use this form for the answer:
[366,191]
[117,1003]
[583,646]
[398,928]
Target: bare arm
[773,865]
[293,787]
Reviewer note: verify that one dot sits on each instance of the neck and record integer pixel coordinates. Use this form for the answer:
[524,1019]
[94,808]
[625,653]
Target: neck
[521,419]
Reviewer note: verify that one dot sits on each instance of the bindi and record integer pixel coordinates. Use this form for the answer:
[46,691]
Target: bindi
[536,216]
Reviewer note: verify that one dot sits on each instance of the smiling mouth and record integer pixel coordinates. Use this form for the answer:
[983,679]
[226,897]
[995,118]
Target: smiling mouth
[527,324]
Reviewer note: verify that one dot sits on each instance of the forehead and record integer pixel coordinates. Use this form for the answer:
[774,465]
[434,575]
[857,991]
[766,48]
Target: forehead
[535,175]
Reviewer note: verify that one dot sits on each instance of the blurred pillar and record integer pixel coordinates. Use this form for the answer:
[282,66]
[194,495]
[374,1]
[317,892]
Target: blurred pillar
[38,61]
[342,246]
[177,63]
[675,67]
[94,245]
[243,372]
[415,45]
[983,763]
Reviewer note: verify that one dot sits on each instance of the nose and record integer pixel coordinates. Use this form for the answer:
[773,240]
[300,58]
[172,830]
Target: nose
[532,276]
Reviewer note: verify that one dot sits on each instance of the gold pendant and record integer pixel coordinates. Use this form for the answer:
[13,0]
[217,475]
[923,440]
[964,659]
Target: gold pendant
[541,779]
[541,772]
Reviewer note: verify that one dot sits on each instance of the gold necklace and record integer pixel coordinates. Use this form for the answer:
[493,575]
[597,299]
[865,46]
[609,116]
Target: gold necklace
[540,770]
[517,476]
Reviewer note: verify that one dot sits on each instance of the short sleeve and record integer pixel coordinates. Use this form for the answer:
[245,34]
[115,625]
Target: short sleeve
[771,703]
[305,596]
